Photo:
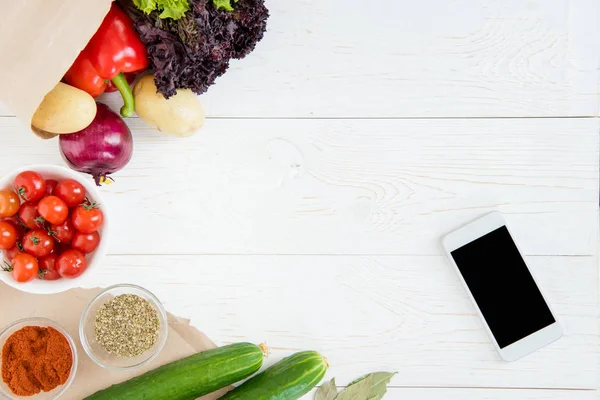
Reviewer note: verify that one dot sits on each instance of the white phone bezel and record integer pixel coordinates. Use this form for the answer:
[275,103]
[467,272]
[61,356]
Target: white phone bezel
[471,232]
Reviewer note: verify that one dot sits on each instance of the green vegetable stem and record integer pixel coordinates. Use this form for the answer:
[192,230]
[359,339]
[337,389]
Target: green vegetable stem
[122,85]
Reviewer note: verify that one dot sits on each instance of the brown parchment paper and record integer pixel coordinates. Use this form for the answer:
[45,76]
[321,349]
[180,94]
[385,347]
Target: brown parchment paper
[66,309]
[39,40]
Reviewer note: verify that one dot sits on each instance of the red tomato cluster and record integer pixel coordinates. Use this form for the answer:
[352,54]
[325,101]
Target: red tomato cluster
[47,227]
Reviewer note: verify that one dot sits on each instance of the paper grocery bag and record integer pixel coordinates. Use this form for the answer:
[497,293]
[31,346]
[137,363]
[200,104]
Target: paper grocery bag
[39,41]
[66,309]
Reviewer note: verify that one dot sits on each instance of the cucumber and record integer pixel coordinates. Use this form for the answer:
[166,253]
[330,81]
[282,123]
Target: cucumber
[190,377]
[289,379]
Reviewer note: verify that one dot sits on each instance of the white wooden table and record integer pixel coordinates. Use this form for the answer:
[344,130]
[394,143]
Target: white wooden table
[308,210]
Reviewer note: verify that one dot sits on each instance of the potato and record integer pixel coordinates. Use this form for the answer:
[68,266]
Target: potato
[181,115]
[65,109]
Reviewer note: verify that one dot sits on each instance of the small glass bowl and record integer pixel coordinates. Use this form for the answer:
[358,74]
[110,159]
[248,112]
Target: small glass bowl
[97,353]
[5,392]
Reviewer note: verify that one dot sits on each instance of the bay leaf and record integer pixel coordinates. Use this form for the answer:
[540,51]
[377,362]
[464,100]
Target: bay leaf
[357,390]
[379,382]
[358,379]
[327,391]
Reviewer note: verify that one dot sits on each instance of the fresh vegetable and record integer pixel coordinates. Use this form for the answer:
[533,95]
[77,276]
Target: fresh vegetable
[9,203]
[47,268]
[71,192]
[60,248]
[37,243]
[30,186]
[12,252]
[45,230]
[87,217]
[181,115]
[85,242]
[16,222]
[224,4]
[289,379]
[102,148]
[371,386]
[50,186]
[63,233]
[110,86]
[71,264]
[190,377]
[173,9]
[191,52]
[65,109]
[8,235]
[114,49]
[53,209]
[24,267]
[29,216]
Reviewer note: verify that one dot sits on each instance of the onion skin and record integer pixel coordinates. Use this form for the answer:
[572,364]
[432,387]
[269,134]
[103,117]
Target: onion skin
[104,147]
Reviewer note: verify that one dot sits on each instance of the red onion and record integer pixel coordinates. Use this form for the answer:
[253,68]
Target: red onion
[102,148]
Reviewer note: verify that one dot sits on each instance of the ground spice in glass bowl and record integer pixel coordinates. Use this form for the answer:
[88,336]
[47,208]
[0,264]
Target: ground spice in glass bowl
[123,327]
[38,359]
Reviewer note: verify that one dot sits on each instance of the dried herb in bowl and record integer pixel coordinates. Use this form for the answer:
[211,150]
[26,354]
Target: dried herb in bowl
[192,51]
[127,325]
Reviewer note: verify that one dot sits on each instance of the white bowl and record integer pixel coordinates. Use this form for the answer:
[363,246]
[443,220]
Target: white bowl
[94,260]
[5,392]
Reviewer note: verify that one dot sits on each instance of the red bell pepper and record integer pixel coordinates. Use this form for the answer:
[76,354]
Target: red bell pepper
[114,49]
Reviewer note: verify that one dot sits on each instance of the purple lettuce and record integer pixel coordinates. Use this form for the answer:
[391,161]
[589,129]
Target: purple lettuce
[192,52]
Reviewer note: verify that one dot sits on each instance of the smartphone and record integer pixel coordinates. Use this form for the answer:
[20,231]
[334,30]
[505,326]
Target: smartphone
[515,313]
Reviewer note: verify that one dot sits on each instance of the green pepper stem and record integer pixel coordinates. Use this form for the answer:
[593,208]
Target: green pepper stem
[128,103]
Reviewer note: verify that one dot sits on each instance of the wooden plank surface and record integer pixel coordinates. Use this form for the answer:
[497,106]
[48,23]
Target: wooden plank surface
[307,212]
[368,313]
[484,394]
[458,58]
[346,186]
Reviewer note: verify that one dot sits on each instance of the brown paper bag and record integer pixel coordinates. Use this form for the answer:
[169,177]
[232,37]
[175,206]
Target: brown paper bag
[39,41]
[66,309]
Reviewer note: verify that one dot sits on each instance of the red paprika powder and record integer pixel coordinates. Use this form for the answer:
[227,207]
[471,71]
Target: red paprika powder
[36,358]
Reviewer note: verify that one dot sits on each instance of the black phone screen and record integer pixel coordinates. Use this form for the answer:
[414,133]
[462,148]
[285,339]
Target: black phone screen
[503,287]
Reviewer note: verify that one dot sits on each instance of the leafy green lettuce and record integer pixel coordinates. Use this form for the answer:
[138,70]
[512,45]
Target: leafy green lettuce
[173,9]
[224,4]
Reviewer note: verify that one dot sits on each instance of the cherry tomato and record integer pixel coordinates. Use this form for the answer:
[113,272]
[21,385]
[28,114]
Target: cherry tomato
[37,243]
[50,186]
[47,265]
[30,217]
[87,217]
[71,264]
[30,186]
[12,252]
[85,242]
[60,248]
[64,232]
[53,209]
[24,267]
[71,192]
[19,226]
[9,203]
[8,235]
